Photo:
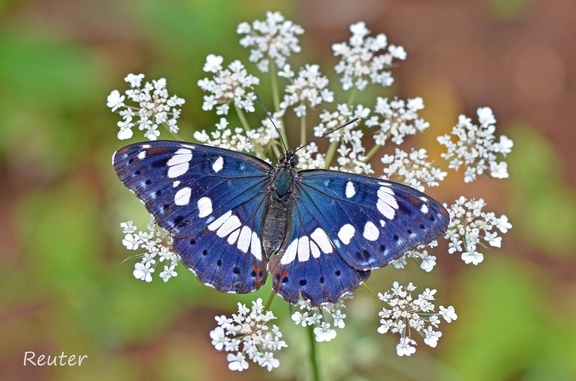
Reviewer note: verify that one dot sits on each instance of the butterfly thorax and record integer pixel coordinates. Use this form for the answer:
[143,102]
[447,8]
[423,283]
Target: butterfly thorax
[279,204]
[284,175]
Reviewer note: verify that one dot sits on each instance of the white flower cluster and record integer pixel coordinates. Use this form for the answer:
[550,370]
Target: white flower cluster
[306,90]
[404,314]
[310,315]
[470,227]
[475,147]
[247,336]
[157,243]
[398,119]
[346,141]
[155,107]
[231,85]
[225,137]
[275,39]
[412,169]
[362,58]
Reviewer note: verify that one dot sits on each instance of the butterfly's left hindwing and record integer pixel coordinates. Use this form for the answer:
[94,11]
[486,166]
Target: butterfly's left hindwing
[210,200]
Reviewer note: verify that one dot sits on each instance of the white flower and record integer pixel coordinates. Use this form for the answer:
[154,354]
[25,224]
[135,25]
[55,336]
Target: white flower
[318,315]
[365,59]
[154,107]
[247,333]
[143,271]
[475,147]
[157,244]
[135,80]
[131,241]
[168,273]
[324,333]
[213,63]
[412,169]
[307,90]
[502,224]
[406,314]
[396,119]
[431,337]
[218,336]
[406,347]
[237,362]
[232,85]
[268,361]
[485,116]
[449,314]
[469,226]
[115,100]
[275,39]
[472,257]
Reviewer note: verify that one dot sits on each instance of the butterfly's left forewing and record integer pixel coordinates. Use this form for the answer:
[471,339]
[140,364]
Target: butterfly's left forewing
[211,200]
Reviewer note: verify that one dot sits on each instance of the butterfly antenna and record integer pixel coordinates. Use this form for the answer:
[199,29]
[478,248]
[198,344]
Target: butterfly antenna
[270,118]
[351,121]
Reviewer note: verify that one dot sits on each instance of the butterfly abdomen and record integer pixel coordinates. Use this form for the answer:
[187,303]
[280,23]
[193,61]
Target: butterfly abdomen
[276,217]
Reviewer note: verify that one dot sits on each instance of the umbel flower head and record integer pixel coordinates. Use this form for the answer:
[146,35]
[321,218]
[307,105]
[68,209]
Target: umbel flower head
[385,129]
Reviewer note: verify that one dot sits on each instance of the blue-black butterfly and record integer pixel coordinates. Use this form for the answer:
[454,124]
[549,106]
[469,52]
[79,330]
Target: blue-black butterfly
[235,218]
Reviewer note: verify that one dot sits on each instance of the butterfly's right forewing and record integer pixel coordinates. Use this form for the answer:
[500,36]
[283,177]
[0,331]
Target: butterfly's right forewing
[211,200]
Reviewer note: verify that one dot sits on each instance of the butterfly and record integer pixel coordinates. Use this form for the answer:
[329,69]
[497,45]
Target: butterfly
[234,218]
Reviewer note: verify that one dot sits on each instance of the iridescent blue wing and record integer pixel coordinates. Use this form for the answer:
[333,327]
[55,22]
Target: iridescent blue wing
[211,200]
[344,225]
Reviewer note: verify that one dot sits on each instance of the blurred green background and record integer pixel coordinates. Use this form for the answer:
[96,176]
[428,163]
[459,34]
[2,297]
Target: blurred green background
[65,287]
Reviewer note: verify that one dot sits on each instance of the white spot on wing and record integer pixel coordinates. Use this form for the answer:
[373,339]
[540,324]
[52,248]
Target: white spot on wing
[219,221]
[141,155]
[229,226]
[424,208]
[255,247]
[314,249]
[386,203]
[350,190]
[290,253]
[303,249]
[244,239]
[233,237]
[175,184]
[218,164]
[182,197]
[346,233]
[204,207]
[179,163]
[371,232]
[321,238]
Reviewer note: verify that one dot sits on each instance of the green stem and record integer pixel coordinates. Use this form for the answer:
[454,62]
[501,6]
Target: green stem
[242,118]
[302,130]
[269,301]
[330,154]
[246,127]
[276,98]
[372,151]
[313,358]
[275,92]
[352,96]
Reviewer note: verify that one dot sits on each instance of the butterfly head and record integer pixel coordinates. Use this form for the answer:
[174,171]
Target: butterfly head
[288,159]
